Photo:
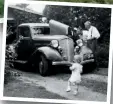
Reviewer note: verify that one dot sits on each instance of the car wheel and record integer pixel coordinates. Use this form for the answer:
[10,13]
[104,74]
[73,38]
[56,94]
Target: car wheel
[44,65]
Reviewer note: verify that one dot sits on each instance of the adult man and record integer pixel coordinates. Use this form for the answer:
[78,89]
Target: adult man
[93,35]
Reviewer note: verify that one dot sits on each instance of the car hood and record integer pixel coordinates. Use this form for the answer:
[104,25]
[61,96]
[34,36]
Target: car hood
[50,37]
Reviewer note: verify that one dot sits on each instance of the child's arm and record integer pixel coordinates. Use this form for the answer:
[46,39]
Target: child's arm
[73,67]
[81,69]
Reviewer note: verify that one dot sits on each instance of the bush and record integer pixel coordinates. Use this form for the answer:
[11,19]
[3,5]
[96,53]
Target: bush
[102,55]
[10,74]
[10,52]
[10,57]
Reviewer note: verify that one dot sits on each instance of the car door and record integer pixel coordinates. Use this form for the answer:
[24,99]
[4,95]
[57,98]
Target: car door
[25,43]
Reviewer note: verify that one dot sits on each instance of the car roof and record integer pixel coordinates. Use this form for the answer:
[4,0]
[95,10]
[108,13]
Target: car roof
[34,24]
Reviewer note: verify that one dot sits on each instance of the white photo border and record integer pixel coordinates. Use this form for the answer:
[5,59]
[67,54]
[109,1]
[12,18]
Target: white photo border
[1,20]
[54,100]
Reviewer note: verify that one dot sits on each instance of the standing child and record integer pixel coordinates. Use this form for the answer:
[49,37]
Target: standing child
[75,78]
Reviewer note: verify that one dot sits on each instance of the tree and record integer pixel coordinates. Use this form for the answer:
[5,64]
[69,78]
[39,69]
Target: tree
[76,16]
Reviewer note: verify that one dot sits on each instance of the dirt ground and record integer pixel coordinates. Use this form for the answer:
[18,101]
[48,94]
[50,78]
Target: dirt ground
[31,85]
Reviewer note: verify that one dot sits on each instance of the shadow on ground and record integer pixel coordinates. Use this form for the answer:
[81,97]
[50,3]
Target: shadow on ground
[61,69]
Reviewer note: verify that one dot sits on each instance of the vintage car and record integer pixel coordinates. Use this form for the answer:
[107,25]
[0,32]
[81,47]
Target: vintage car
[38,46]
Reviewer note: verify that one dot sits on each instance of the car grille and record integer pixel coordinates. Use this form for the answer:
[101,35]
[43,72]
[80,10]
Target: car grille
[67,46]
[88,56]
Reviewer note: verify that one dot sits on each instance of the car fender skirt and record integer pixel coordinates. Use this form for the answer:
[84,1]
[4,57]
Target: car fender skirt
[50,53]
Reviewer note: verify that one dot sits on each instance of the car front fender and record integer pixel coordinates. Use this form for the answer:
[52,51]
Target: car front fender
[50,53]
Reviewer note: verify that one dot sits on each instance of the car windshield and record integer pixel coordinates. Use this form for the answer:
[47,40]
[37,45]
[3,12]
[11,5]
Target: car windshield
[40,30]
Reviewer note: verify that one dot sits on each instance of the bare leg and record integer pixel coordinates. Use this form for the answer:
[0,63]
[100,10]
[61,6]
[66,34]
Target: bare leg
[76,89]
[68,86]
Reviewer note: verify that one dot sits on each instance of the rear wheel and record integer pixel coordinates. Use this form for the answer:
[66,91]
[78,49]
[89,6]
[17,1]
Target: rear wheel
[44,65]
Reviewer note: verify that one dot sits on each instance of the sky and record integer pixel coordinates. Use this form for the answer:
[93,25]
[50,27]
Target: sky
[38,8]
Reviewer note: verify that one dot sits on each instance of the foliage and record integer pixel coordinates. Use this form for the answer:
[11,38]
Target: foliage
[78,1]
[102,55]
[10,52]
[1,8]
[9,74]
[86,1]
[76,16]
[10,57]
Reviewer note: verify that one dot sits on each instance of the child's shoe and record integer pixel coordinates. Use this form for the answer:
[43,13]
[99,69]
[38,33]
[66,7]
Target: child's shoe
[68,89]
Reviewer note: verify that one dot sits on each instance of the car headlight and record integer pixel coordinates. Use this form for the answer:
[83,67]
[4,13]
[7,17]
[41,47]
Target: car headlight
[54,43]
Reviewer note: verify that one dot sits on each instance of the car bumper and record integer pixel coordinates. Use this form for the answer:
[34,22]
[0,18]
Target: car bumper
[87,61]
[67,63]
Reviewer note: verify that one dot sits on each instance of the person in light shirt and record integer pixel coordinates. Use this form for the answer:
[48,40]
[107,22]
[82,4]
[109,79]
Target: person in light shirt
[93,35]
[93,32]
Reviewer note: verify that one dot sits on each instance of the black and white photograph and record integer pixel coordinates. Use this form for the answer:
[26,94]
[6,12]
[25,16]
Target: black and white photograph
[57,51]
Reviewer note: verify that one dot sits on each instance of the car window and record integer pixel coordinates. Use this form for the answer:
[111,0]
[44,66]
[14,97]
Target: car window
[24,31]
[40,30]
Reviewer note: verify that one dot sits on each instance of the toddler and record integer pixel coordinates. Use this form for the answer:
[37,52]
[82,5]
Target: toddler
[75,77]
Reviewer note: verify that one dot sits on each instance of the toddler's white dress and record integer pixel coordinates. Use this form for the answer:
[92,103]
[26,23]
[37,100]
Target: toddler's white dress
[76,69]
